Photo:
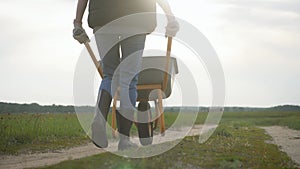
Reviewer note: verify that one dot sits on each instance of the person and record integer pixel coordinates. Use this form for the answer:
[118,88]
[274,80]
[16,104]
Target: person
[101,12]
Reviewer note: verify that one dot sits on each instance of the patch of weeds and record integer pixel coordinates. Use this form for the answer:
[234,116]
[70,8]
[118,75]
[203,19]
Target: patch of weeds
[231,164]
[223,132]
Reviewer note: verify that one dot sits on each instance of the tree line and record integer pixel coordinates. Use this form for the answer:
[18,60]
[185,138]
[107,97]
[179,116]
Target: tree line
[36,108]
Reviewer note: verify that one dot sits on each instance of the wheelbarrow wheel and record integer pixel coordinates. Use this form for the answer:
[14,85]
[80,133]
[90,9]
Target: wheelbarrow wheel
[144,125]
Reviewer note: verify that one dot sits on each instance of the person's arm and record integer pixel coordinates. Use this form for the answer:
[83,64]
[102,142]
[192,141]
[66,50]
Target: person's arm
[78,32]
[81,6]
[173,26]
[165,7]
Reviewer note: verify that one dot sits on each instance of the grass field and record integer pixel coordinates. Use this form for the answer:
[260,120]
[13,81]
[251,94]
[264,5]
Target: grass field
[289,119]
[42,132]
[229,147]
[237,143]
[39,132]
[26,133]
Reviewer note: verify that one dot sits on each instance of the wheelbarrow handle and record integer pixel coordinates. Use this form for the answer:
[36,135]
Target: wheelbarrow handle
[168,55]
[96,63]
[169,46]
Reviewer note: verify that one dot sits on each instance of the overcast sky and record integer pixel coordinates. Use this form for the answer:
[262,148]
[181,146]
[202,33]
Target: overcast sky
[257,42]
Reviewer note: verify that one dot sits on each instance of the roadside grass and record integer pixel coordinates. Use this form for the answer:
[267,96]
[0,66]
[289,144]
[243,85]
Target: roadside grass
[231,146]
[27,133]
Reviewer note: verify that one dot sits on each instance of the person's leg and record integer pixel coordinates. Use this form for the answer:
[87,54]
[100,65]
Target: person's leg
[132,50]
[110,61]
[99,136]
[145,129]
[110,58]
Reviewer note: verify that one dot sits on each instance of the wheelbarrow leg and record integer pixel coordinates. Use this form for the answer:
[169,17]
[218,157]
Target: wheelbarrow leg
[113,119]
[161,111]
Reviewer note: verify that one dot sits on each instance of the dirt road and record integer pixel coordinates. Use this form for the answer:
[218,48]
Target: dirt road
[288,140]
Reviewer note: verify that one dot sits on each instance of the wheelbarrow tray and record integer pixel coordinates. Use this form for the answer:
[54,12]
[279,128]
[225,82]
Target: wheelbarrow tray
[153,72]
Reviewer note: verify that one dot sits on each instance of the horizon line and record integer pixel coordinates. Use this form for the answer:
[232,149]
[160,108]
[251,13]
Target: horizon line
[244,106]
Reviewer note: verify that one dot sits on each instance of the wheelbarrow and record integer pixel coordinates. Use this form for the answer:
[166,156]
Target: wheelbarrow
[154,84]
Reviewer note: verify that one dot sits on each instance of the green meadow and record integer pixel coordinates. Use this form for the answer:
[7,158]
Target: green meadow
[238,142]
[22,133]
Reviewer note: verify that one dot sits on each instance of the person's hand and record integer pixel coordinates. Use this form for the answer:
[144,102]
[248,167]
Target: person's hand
[79,33]
[172,27]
